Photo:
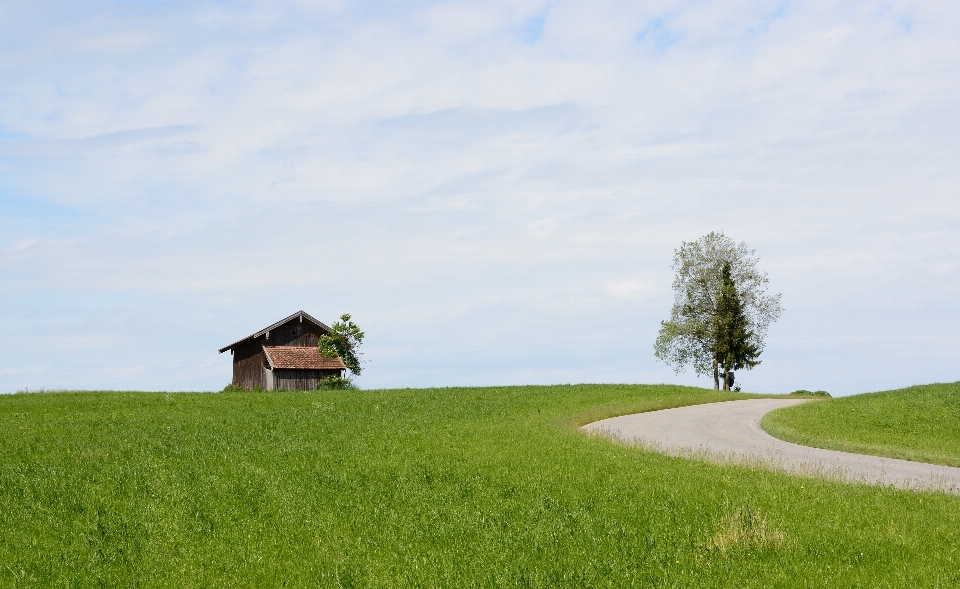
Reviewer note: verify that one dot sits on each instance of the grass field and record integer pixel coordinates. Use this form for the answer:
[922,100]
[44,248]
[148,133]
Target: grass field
[490,487]
[919,423]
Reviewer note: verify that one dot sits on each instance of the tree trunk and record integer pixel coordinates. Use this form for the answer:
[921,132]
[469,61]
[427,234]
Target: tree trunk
[716,376]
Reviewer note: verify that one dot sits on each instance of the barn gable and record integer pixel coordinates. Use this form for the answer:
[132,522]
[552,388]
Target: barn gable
[289,364]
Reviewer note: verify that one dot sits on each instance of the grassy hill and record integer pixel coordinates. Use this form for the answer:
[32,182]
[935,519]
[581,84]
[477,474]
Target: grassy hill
[919,423]
[428,488]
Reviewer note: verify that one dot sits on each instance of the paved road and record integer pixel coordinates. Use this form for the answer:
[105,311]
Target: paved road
[730,431]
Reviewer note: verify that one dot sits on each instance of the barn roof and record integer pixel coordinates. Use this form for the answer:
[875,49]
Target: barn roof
[300,315]
[304,357]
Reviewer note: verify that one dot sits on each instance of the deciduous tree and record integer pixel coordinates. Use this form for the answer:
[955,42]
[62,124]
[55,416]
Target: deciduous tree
[689,337]
[344,341]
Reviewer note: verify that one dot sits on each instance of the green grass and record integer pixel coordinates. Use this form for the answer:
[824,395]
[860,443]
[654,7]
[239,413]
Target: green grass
[919,423]
[490,487]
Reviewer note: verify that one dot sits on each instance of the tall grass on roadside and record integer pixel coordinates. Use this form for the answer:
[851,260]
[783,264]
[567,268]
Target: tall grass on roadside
[745,529]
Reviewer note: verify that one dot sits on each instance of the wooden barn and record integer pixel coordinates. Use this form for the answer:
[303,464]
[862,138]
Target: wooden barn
[283,357]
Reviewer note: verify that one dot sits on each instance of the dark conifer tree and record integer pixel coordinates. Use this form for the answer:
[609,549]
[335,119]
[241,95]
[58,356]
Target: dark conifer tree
[734,342]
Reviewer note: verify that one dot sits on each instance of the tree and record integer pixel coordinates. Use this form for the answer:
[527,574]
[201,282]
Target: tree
[689,337]
[734,345]
[344,341]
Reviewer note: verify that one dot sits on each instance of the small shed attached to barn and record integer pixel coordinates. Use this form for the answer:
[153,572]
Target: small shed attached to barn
[283,356]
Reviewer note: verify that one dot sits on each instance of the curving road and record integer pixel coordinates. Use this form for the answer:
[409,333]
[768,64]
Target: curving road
[730,431]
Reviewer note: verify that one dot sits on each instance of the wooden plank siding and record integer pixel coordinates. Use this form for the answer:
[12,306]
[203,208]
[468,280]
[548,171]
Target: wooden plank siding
[299,380]
[248,363]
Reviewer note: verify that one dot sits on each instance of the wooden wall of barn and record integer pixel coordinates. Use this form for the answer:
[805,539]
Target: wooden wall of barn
[294,333]
[299,380]
[248,362]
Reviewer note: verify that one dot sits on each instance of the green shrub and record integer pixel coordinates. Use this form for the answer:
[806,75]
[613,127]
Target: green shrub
[814,393]
[335,382]
[232,388]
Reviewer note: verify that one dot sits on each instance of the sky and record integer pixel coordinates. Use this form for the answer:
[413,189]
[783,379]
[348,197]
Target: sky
[494,190]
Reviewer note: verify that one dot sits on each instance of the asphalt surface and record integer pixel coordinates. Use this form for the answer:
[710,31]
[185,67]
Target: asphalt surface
[730,432]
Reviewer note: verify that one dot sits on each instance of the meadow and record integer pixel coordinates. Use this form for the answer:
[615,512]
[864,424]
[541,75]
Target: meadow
[920,423]
[460,487]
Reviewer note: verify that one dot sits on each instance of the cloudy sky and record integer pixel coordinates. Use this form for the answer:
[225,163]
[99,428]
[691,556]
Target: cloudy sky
[493,190]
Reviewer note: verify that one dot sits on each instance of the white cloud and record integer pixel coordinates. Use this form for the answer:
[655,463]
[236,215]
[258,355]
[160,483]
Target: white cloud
[124,372]
[544,227]
[23,245]
[22,370]
[630,289]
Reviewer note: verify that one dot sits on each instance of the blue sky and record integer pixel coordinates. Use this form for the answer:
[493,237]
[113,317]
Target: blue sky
[493,190]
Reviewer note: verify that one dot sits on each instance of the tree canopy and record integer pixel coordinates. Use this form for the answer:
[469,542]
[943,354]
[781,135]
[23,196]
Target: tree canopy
[344,341]
[721,308]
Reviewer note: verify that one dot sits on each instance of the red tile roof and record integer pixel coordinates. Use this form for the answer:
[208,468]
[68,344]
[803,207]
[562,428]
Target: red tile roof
[307,358]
